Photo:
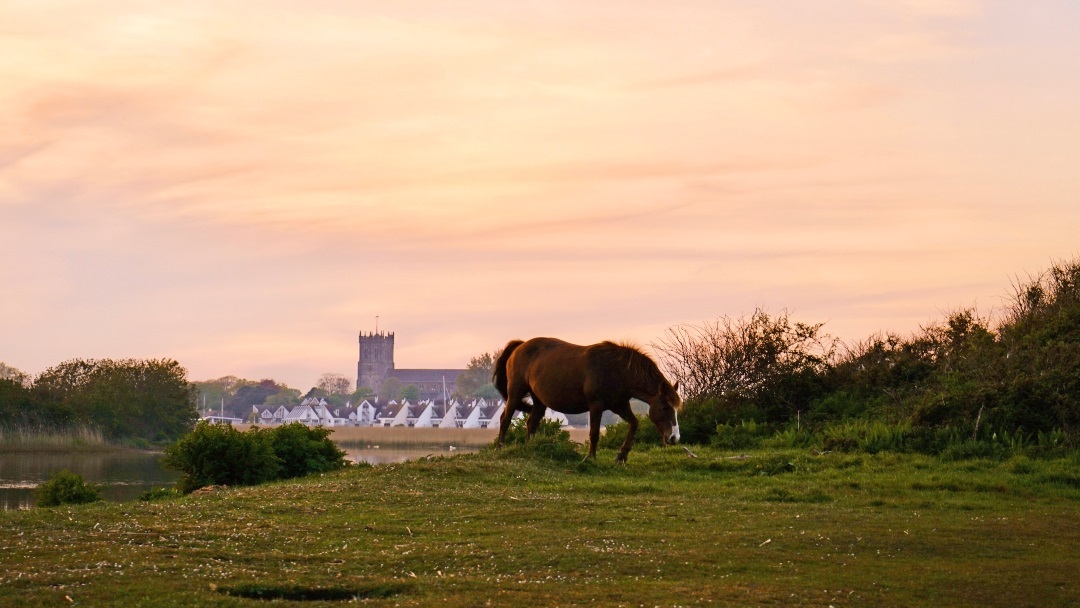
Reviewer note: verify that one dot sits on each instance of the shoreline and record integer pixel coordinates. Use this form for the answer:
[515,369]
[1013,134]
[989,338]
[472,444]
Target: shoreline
[402,436]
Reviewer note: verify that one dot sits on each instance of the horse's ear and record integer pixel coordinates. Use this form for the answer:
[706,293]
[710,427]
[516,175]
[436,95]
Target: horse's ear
[676,386]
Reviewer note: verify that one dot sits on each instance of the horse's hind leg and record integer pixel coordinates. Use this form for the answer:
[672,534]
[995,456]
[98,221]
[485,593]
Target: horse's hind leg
[626,413]
[536,414]
[515,400]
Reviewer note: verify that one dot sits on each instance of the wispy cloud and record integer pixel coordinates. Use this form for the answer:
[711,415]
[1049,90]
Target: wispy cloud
[244,189]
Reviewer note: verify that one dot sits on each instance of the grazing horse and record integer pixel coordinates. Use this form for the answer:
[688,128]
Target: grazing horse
[575,379]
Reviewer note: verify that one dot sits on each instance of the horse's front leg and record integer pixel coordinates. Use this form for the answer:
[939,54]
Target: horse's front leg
[626,413]
[596,413]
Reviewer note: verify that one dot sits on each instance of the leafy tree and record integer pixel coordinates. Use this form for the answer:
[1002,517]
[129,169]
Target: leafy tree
[475,381]
[411,393]
[285,396]
[364,392]
[334,384]
[22,406]
[756,367]
[390,390]
[248,395]
[128,398]
[10,373]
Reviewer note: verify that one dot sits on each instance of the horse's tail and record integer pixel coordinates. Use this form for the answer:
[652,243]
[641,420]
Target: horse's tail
[499,376]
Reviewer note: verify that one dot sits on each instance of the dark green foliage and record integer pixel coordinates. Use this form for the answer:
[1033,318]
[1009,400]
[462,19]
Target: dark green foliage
[159,494]
[762,367]
[125,398]
[945,386]
[550,442]
[516,433]
[24,407]
[218,454]
[305,450]
[741,436]
[647,434]
[66,488]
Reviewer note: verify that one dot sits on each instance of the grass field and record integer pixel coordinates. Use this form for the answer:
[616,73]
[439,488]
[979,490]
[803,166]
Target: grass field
[519,528]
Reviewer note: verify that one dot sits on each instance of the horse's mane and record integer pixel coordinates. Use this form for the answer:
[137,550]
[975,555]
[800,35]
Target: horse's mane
[629,357]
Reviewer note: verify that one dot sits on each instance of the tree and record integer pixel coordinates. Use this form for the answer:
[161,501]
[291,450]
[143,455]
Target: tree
[334,384]
[364,392]
[390,390]
[411,393]
[285,396]
[252,394]
[755,367]
[151,399]
[475,381]
[10,373]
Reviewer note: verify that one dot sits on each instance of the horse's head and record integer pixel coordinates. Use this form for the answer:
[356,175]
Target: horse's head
[663,411]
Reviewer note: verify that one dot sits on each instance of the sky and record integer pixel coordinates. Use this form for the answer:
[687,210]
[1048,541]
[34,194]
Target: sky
[245,186]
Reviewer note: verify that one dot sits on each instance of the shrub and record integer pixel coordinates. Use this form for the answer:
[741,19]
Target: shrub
[615,434]
[517,432]
[746,434]
[550,442]
[66,488]
[218,454]
[791,438]
[159,494]
[305,450]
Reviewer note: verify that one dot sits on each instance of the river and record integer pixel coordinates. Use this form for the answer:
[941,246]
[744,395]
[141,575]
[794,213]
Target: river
[124,475]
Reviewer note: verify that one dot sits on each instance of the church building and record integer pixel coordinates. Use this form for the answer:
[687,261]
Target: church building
[376,365]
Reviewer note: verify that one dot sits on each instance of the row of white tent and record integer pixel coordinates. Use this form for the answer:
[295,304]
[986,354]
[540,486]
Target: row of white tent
[478,414]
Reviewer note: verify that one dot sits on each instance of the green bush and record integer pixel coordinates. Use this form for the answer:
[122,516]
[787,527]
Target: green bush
[647,434]
[159,494]
[305,450]
[218,454]
[517,432]
[66,488]
[746,434]
[550,442]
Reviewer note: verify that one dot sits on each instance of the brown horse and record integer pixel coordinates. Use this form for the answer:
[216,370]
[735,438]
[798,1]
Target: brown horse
[575,379]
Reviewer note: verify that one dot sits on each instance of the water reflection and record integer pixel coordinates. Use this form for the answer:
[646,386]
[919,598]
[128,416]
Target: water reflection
[122,475]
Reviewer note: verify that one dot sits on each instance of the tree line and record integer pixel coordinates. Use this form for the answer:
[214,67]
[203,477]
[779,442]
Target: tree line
[150,400]
[234,397]
[1018,376]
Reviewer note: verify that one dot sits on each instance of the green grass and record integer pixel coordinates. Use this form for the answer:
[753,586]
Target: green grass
[523,527]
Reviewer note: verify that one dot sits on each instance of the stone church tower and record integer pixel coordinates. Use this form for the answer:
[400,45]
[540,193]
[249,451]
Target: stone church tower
[376,359]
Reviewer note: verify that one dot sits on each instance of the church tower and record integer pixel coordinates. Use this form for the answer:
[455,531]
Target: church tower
[376,359]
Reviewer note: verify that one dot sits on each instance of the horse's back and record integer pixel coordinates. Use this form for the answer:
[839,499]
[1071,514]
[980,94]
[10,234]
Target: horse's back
[553,371]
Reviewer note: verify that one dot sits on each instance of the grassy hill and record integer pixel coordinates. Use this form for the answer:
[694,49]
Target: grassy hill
[519,528]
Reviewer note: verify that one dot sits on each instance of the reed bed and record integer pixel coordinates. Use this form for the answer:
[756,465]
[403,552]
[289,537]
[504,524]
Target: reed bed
[41,439]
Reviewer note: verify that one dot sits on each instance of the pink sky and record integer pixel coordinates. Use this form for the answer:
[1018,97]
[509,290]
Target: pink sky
[244,186]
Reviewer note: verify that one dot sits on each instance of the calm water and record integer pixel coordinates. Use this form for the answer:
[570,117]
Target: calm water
[126,475]
[122,475]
